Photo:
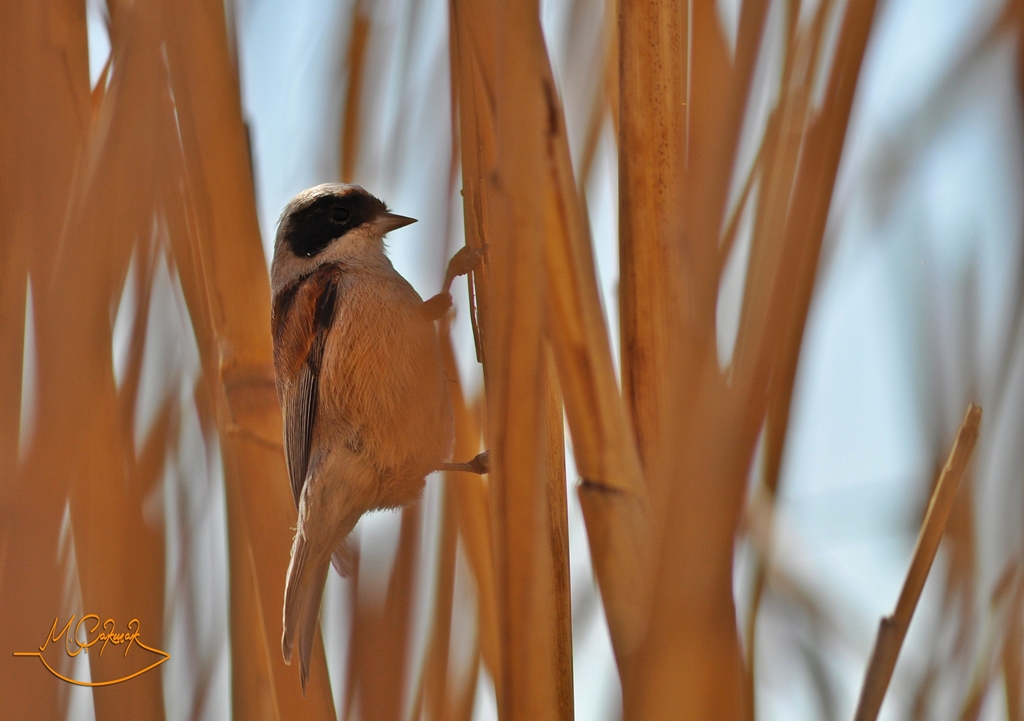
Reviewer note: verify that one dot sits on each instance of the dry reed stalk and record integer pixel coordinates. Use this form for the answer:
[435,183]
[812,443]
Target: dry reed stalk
[1013,648]
[355,65]
[893,628]
[474,529]
[1007,604]
[432,692]
[602,99]
[41,133]
[613,496]
[802,148]
[558,538]
[692,667]
[436,683]
[252,676]
[720,437]
[227,291]
[670,59]
[464,702]
[355,639]
[780,149]
[678,133]
[653,268]
[717,90]
[472,54]
[517,430]
[777,311]
[1011,657]
[380,654]
[120,565]
[501,153]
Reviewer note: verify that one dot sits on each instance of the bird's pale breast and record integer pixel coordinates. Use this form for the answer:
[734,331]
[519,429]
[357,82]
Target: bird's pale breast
[389,398]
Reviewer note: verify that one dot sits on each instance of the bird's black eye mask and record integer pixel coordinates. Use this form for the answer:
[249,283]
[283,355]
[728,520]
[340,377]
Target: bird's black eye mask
[310,230]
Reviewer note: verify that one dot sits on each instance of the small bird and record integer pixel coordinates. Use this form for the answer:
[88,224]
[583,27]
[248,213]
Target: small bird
[360,380]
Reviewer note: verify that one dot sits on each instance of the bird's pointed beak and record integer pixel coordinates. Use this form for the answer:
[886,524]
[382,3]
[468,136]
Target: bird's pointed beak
[387,222]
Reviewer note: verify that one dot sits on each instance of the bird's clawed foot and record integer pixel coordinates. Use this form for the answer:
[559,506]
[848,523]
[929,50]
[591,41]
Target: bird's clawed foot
[462,262]
[480,465]
[437,306]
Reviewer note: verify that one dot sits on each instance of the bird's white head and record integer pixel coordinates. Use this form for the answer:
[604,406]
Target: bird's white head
[330,223]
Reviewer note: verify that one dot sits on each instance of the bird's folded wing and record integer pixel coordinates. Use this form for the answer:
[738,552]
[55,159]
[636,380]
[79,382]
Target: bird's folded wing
[301,319]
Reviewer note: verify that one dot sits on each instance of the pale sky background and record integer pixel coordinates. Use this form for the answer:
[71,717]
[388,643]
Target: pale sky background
[922,260]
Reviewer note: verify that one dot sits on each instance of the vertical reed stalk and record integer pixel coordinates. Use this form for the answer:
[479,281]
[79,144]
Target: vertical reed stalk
[229,300]
[42,45]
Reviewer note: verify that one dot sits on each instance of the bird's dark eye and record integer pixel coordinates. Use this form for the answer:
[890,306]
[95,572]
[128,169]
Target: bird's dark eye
[339,215]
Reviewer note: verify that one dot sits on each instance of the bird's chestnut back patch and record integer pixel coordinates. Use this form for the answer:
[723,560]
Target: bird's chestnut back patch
[310,229]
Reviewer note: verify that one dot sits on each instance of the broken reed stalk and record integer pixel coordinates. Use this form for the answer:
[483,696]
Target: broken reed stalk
[893,629]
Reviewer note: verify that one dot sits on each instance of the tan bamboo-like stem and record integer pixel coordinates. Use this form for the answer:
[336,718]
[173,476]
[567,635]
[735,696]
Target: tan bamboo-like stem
[719,438]
[42,45]
[472,30]
[893,629]
[355,65]
[472,67]
[517,431]
[1011,662]
[467,494]
[229,300]
[653,129]
[614,499]
[781,145]
[512,213]
[558,534]
[673,146]
[1007,600]
[802,151]
[80,435]
[434,682]
[474,529]
[357,632]
[382,655]
[613,495]
[503,151]
[253,674]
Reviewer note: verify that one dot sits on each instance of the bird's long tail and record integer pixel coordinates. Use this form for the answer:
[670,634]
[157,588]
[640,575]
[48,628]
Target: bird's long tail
[304,588]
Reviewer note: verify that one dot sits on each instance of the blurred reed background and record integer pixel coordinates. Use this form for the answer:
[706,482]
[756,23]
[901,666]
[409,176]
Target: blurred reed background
[758,255]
